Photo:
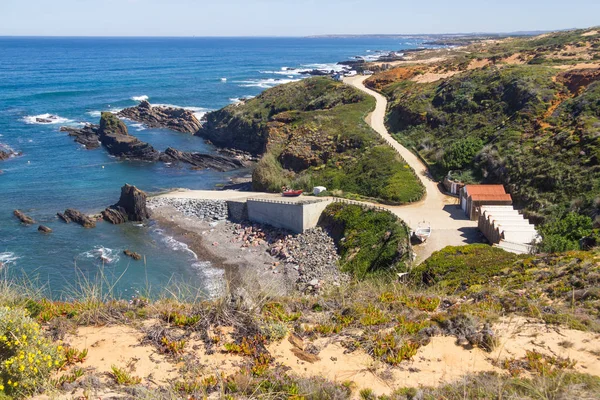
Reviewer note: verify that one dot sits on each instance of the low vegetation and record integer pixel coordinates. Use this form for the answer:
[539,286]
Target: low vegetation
[459,292]
[517,111]
[369,241]
[312,133]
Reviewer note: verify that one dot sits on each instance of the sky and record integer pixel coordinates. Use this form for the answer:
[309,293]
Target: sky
[288,17]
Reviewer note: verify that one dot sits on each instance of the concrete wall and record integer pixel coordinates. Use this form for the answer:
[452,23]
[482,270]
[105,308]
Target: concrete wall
[237,210]
[295,216]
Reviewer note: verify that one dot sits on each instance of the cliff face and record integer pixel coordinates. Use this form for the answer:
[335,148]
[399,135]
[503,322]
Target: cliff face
[224,128]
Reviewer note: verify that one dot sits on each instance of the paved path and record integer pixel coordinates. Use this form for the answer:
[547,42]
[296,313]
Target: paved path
[449,224]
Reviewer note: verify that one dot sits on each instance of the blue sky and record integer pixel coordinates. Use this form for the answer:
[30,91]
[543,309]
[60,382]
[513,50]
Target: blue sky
[288,17]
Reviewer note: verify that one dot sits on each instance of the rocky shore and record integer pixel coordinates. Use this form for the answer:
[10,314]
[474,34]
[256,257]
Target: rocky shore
[113,134]
[252,254]
[176,119]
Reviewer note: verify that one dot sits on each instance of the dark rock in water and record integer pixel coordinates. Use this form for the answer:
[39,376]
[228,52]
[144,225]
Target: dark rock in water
[44,229]
[317,72]
[114,216]
[202,161]
[131,207]
[6,152]
[87,136]
[112,133]
[177,119]
[132,254]
[72,215]
[114,136]
[63,217]
[23,218]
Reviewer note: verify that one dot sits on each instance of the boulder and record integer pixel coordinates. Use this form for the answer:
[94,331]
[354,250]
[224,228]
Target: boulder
[23,218]
[73,215]
[44,229]
[132,254]
[130,207]
[176,119]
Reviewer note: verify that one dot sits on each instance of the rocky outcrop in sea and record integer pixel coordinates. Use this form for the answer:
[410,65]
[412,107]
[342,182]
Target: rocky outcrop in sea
[72,215]
[176,119]
[130,207]
[113,134]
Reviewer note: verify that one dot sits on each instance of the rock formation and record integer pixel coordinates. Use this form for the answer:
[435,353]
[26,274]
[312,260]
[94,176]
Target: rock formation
[44,229]
[23,218]
[176,119]
[130,207]
[202,161]
[6,152]
[113,134]
[132,254]
[87,136]
[72,215]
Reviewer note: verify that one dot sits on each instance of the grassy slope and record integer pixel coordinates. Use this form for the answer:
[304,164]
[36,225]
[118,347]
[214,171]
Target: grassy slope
[516,124]
[369,241]
[314,134]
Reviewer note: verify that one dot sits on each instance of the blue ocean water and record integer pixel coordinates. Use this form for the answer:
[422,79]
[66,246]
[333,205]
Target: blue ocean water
[75,79]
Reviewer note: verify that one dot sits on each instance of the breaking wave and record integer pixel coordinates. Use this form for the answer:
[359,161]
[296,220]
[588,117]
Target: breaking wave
[45,119]
[265,83]
[140,98]
[102,254]
[7,258]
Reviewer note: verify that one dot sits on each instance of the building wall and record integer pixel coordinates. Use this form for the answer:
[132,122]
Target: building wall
[474,207]
[297,217]
[237,210]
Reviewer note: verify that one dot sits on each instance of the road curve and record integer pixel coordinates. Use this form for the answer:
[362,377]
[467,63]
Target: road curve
[449,225]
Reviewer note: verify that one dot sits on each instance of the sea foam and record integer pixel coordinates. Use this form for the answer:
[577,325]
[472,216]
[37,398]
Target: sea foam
[102,254]
[265,83]
[140,98]
[7,258]
[45,119]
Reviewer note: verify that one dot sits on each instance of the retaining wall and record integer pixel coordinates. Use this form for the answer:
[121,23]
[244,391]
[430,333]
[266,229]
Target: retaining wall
[295,216]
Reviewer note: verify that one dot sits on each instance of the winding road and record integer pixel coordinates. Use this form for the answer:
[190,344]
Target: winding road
[450,227]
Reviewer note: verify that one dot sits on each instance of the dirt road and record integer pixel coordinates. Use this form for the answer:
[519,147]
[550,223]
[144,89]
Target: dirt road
[450,227]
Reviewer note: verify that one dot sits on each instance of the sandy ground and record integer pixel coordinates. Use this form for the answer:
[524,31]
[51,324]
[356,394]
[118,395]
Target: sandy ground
[441,361]
[449,225]
[429,77]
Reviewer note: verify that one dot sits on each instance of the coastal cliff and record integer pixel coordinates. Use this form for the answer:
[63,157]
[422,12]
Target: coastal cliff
[312,133]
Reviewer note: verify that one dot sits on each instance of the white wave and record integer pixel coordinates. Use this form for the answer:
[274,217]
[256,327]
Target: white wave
[102,254]
[176,245]
[223,79]
[326,67]
[139,127]
[265,83]
[213,278]
[198,112]
[45,119]
[7,258]
[98,114]
[140,98]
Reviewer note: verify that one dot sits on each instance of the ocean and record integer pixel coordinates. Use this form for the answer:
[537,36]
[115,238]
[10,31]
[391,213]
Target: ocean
[77,78]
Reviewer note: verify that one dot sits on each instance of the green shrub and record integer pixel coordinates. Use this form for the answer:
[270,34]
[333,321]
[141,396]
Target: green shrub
[27,358]
[461,153]
[564,233]
[369,241]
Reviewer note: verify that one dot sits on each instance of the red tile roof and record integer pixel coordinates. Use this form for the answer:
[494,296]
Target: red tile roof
[498,197]
[484,189]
